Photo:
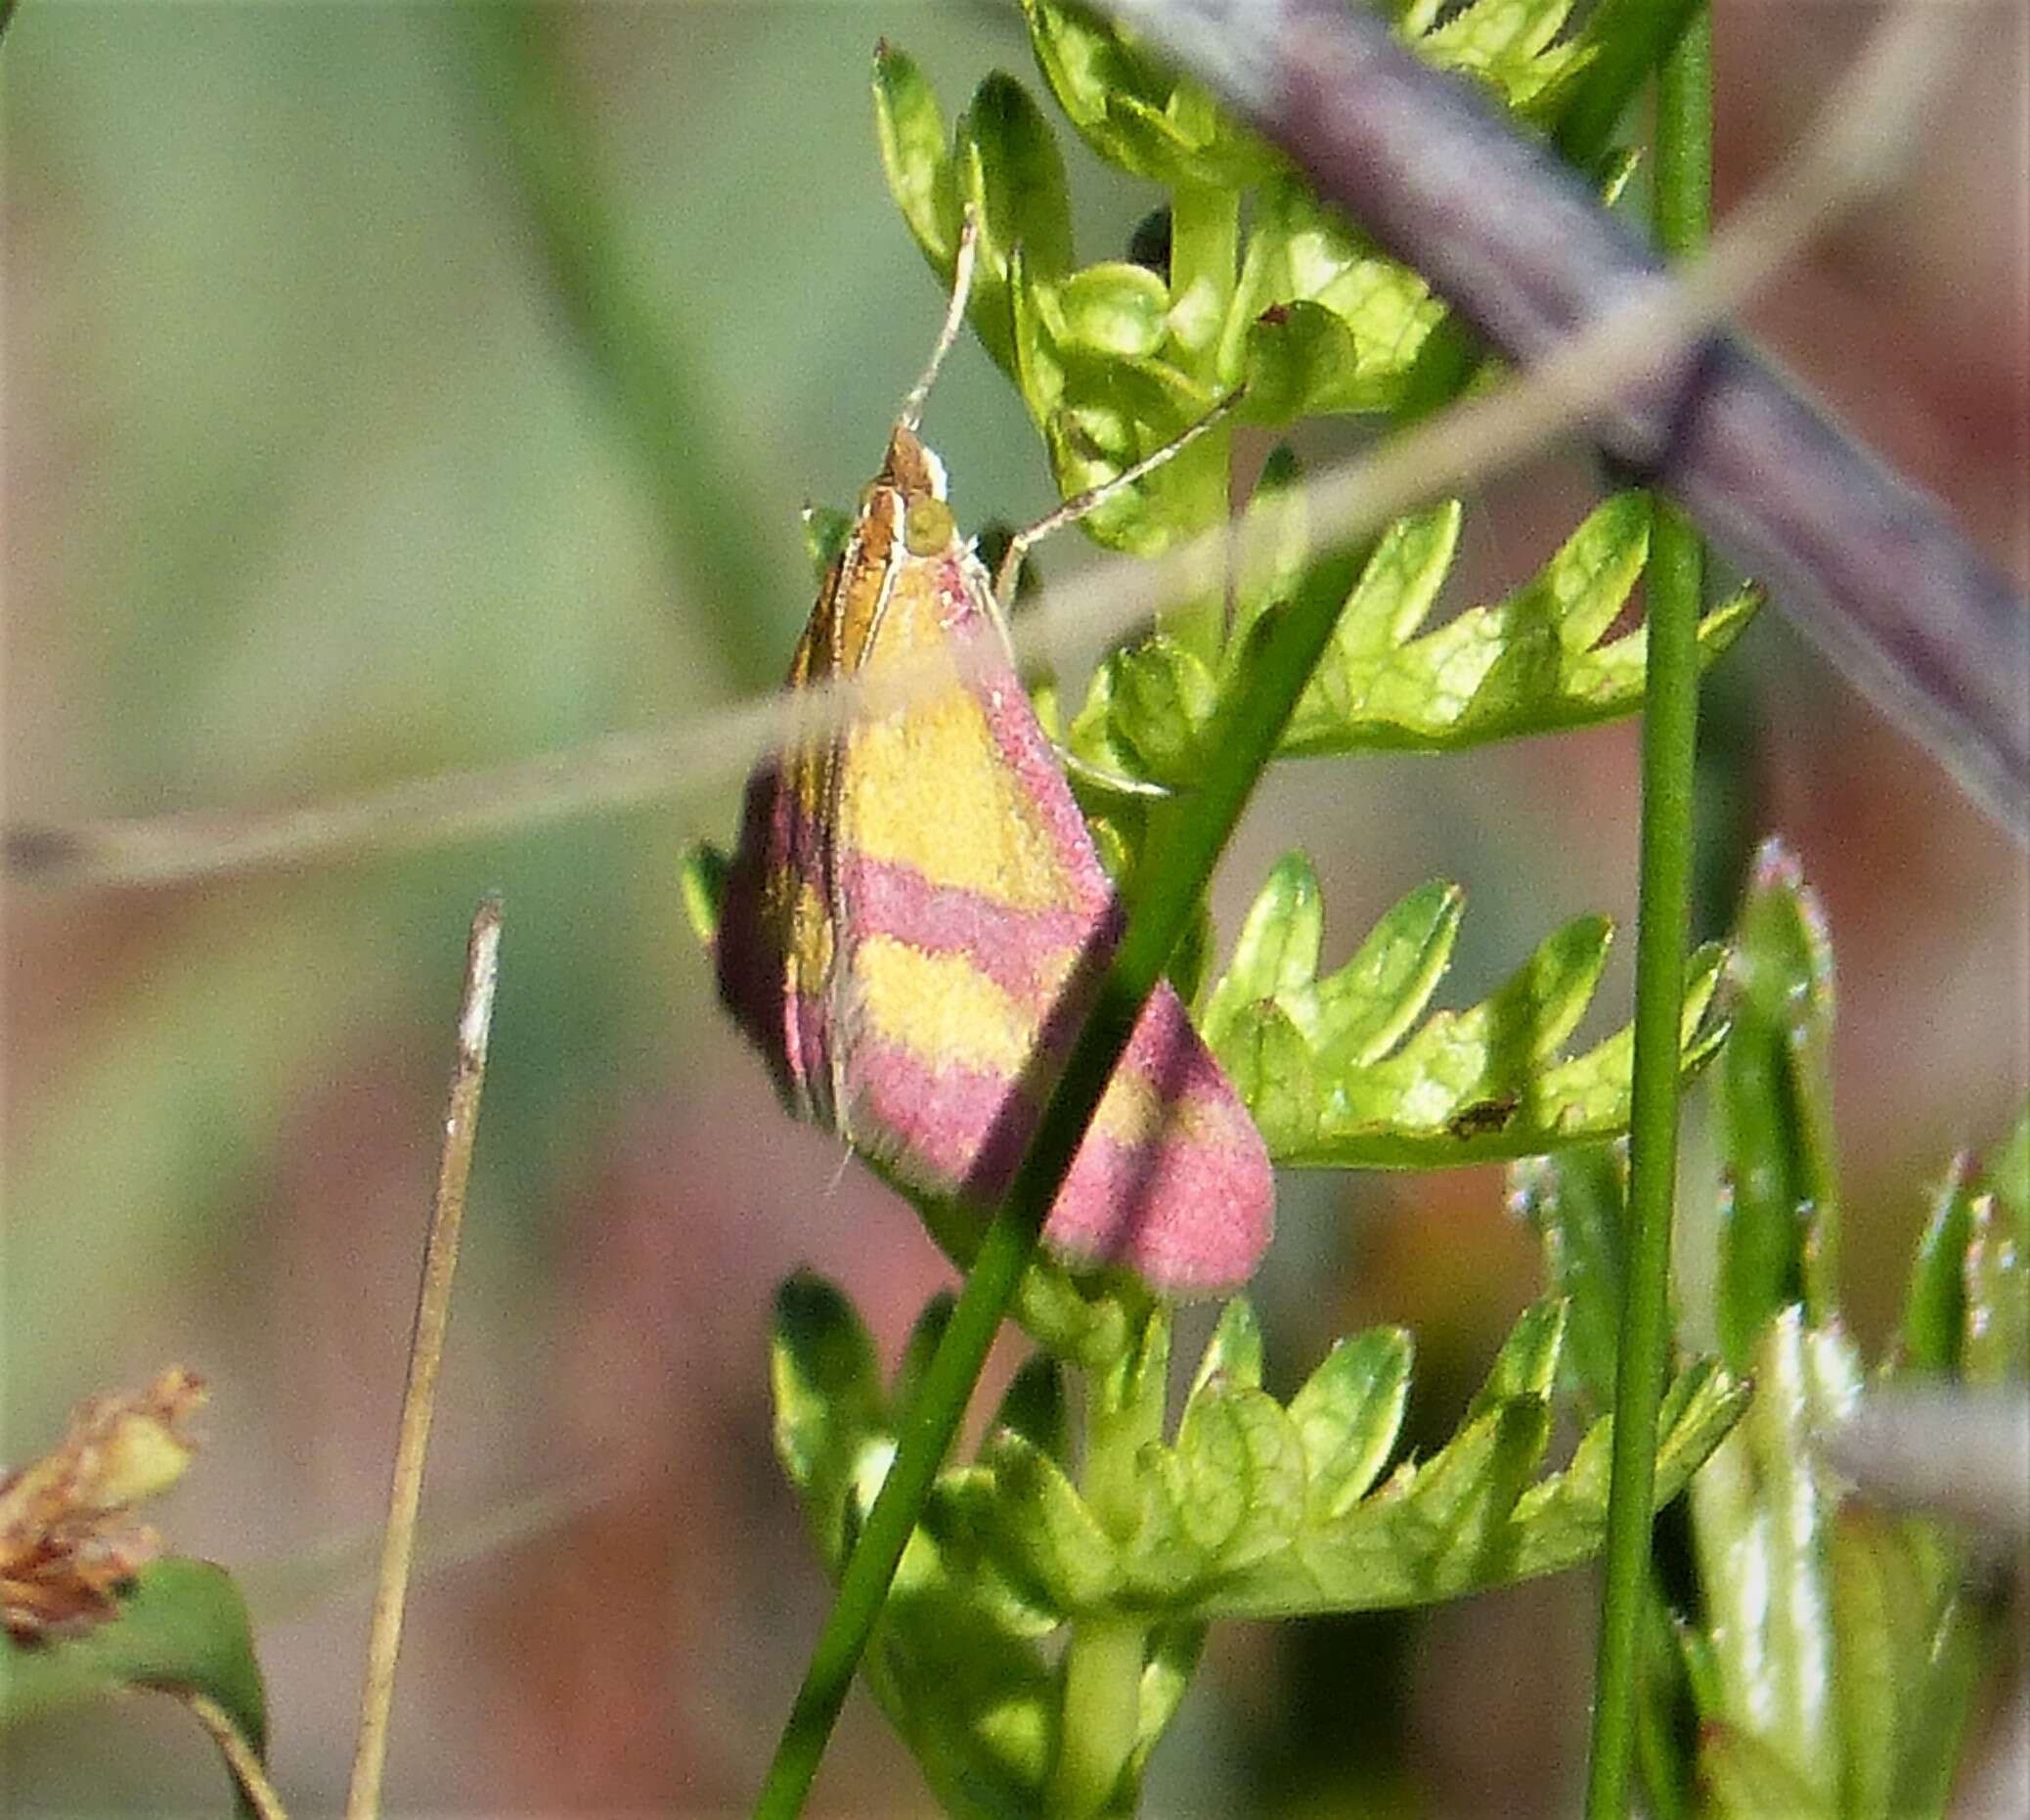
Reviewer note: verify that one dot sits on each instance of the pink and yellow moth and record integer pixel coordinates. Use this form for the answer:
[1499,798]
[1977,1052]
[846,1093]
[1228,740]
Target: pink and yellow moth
[916,918]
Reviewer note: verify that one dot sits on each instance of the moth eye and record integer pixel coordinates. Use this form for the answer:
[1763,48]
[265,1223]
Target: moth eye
[927,527]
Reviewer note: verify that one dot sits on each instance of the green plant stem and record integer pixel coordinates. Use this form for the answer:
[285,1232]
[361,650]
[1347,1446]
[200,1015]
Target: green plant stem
[1101,1706]
[1673,584]
[1205,258]
[1632,37]
[1179,860]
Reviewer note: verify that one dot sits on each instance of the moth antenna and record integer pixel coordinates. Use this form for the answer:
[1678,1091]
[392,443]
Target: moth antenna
[1081,504]
[954,318]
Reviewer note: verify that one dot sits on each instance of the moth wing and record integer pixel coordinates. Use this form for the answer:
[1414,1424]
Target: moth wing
[973,921]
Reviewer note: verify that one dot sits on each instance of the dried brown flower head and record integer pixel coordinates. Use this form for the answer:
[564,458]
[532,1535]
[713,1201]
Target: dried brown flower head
[68,1540]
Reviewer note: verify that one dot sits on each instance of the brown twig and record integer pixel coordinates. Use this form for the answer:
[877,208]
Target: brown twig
[425,1355]
[1867,564]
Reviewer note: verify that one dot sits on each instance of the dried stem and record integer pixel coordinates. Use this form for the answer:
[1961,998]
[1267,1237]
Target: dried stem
[425,1355]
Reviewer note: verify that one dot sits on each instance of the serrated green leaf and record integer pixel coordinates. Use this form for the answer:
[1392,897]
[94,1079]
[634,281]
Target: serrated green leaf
[1508,44]
[1234,1352]
[1330,1080]
[1269,1064]
[1527,1364]
[1778,1236]
[1132,108]
[909,127]
[1042,1532]
[1532,663]
[1244,1475]
[1359,1012]
[1349,1414]
[1303,255]
[1276,952]
[1258,1511]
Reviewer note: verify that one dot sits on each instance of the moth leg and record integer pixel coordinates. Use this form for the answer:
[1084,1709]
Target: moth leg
[1070,510]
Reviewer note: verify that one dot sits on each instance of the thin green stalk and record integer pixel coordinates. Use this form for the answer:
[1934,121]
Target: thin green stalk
[1632,37]
[1101,1703]
[1205,259]
[1180,859]
[1673,587]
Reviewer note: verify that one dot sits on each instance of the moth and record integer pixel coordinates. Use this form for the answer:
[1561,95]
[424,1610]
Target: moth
[916,919]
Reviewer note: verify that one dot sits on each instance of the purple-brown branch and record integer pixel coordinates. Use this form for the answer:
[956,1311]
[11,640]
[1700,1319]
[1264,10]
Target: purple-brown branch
[1867,564]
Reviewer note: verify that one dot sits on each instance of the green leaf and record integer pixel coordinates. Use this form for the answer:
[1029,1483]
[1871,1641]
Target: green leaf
[1295,362]
[181,1625]
[831,1432]
[1746,1780]
[1276,952]
[1041,1530]
[925,1333]
[1508,44]
[701,875]
[1258,1511]
[1763,1510]
[825,533]
[1158,699]
[1036,1407]
[911,128]
[1233,1355]
[1109,414]
[1355,320]
[1272,547]
[1132,108]
[1114,311]
[1532,663]
[1578,1202]
[1349,1414]
[1334,1076]
[1012,174]
[1780,1230]
[1931,1332]
[1880,1617]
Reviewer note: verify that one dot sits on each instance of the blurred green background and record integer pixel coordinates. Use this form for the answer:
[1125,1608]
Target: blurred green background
[323,468]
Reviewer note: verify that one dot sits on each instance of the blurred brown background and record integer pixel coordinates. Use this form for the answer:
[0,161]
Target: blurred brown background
[311,482]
